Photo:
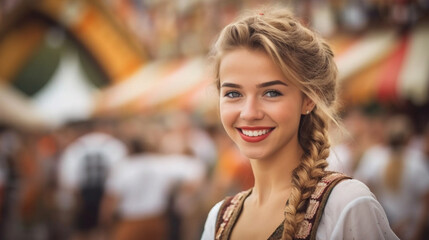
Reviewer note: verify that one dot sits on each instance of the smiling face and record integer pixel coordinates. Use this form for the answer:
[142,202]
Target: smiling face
[259,108]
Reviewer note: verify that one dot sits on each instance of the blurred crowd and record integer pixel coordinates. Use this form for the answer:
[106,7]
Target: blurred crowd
[390,154]
[136,178]
[158,176]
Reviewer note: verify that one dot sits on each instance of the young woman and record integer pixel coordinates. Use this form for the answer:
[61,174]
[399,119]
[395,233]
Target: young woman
[277,86]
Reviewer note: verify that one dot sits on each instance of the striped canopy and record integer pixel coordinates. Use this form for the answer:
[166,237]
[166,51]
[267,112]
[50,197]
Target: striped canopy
[385,66]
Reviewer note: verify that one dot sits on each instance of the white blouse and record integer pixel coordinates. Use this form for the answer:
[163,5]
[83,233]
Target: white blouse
[352,212]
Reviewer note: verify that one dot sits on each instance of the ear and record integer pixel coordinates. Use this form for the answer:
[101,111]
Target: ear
[307,106]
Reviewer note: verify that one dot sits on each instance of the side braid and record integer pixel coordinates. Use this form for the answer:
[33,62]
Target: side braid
[307,61]
[315,143]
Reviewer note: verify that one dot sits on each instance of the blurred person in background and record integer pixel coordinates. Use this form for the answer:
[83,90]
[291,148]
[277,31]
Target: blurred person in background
[398,176]
[183,136]
[47,154]
[277,90]
[31,204]
[10,144]
[364,129]
[28,209]
[84,166]
[426,154]
[425,146]
[348,149]
[144,187]
[3,185]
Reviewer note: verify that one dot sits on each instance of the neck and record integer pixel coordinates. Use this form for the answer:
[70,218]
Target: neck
[273,177]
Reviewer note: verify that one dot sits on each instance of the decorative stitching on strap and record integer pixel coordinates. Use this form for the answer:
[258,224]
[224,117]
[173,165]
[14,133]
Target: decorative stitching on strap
[308,227]
[228,214]
[232,206]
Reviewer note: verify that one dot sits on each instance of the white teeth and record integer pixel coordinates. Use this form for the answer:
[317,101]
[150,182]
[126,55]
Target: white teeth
[255,133]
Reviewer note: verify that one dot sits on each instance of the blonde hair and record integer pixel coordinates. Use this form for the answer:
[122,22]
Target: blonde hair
[307,60]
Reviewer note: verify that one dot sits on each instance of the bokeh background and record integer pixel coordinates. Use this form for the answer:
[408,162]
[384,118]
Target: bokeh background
[108,113]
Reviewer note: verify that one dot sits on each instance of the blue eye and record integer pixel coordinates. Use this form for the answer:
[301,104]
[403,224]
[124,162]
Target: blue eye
[272,93]
[232,94]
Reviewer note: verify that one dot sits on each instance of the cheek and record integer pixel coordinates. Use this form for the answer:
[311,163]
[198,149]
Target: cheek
[288,112]
[227,114]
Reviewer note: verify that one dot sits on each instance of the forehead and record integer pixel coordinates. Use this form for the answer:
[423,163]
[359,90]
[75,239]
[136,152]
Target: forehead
[248,64]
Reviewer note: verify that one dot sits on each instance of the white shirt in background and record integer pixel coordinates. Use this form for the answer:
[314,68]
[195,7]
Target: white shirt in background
[73,159]
[144,182]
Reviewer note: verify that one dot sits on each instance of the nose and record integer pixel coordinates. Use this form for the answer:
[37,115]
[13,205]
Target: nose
[251,110]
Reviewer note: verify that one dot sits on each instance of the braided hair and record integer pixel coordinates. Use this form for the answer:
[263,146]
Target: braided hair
[307,60]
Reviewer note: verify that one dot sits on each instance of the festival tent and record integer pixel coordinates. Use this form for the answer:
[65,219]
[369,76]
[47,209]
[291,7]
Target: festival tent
[380,65]
[17,111]
[59,53]
[162,85]
[414,75]
[386,66]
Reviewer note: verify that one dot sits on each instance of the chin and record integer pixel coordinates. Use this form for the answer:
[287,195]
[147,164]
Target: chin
[253,154]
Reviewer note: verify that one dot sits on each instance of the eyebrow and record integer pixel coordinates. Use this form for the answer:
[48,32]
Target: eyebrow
[232,85]
[271,83]
[261,85]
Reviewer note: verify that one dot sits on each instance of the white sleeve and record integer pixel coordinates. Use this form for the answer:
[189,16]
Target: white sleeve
[210,225]
[69,167]
[420,171]
[371,165]
[113,181]
[115,150]
[184,168]
[352,212]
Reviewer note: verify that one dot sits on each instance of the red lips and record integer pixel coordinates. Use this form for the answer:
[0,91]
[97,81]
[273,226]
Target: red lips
[254,134]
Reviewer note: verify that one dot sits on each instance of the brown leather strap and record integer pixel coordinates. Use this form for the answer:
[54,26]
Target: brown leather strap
[228,214]
[323,203]
[308,228]
[232,206]
[222,209]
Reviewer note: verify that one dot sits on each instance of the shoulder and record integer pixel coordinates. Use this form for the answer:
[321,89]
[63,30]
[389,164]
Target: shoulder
[228,206]
[347,191]
[210,225]
[352,211]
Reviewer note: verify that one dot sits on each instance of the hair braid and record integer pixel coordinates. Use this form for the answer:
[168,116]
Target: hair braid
[305,177]
[308,63]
